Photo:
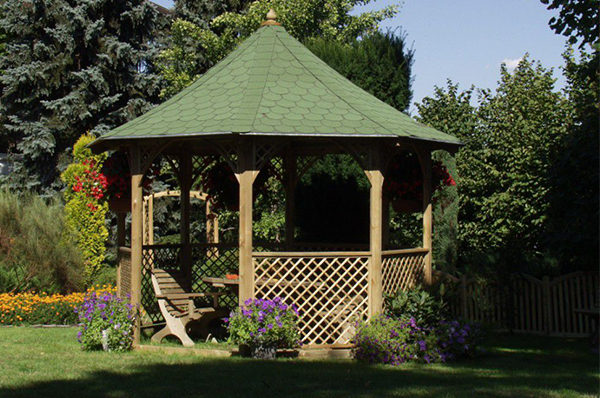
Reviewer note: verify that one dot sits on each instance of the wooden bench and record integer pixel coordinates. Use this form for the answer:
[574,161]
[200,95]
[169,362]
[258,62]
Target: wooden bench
[176,304]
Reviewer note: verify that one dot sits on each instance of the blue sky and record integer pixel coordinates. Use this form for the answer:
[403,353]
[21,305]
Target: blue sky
[467,40]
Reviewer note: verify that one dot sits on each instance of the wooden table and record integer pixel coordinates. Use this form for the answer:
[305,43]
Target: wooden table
[232,285]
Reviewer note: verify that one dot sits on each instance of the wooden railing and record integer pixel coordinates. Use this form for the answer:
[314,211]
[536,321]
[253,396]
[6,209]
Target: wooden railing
[330,290]
[402,269]
[527,304]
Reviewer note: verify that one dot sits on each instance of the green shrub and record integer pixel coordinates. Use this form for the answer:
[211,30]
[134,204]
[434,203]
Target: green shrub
[86,206]
[426,308]
[36,251]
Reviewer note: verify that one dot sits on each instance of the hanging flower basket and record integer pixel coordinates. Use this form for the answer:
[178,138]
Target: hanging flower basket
[407,206]
[120,205]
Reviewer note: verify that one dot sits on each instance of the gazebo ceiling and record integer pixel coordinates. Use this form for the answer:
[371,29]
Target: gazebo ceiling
[272,85]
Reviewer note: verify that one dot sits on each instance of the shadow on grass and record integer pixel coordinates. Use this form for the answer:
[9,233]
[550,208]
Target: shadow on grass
[538,371]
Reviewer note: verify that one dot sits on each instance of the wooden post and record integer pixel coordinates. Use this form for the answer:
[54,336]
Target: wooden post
[136,237]
[185,182]
[245,175]
[427,214]
[376,235]
[120,243]
[547,305]
[212,224]
[289,168]
[463,297]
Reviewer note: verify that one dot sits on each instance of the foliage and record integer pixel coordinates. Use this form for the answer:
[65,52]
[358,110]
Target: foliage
[267,323]
[86,207]
[450,110]
[578,20]
[196,48]
[33,308]
[425,308]
[106,322]
[201,12]
[379,63]
[71,66]
[392,341]
[36,249]
[503,167]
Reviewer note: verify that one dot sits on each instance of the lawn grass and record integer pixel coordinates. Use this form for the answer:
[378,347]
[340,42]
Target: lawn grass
[49,363]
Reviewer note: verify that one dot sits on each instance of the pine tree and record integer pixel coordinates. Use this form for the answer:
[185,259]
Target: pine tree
[72,66]
[201,12]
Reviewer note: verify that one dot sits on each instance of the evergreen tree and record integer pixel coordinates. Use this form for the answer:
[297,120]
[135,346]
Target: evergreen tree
[380,63]
[72,66]
[201,12]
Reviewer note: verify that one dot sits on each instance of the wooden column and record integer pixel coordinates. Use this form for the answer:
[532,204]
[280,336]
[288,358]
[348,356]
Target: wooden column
[376,235]
[185,182]
[425,159]
[289,168]
[136,236]
[120,243]
[245,175]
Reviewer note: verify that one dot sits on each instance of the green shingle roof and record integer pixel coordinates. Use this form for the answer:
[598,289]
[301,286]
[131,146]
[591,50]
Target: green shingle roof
[272,84]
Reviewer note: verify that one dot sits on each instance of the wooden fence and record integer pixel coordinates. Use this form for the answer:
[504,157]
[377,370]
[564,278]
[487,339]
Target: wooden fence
[527,304]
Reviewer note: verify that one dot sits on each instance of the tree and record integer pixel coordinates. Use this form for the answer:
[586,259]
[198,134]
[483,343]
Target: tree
[450,111]
[577,19]
[71,67]
[574,196]
[380,63]
[196,48]
[201,12]
[503,169]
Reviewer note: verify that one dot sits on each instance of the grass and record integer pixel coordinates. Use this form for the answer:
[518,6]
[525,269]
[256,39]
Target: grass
[48,363]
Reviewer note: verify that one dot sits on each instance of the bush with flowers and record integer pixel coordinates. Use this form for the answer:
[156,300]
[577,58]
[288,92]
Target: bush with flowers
[393,341]
[43,309]
[262,323]
[106,323]
[86,207]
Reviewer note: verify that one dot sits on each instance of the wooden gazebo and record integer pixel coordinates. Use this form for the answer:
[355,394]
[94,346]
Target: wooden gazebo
[272,100]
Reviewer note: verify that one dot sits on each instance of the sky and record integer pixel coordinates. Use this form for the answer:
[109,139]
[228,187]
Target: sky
[467,40]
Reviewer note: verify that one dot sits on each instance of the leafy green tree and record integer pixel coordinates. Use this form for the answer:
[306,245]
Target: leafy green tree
[70,67]
[195,48]
[574,197]
[577,19]
[380,63]
[201,12]
[450,111]
[503,169]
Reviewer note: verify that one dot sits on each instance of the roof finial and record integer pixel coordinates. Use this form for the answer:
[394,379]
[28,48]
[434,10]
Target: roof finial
[271,19]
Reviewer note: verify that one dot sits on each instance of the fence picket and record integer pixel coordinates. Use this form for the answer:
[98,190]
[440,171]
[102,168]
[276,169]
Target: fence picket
[529,305]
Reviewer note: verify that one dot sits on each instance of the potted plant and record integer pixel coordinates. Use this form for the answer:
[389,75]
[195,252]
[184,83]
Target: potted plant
[264,326]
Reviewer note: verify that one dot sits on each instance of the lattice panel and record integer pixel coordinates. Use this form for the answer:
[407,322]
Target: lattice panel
[402,271]
[214,260]
[331,293]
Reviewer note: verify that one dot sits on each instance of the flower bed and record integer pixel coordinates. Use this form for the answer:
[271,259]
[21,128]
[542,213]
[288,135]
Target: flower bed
[392,341]
[43,309]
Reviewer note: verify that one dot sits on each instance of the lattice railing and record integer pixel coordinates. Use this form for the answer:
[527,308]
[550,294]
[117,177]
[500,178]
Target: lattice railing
[330,290]
[402,269]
